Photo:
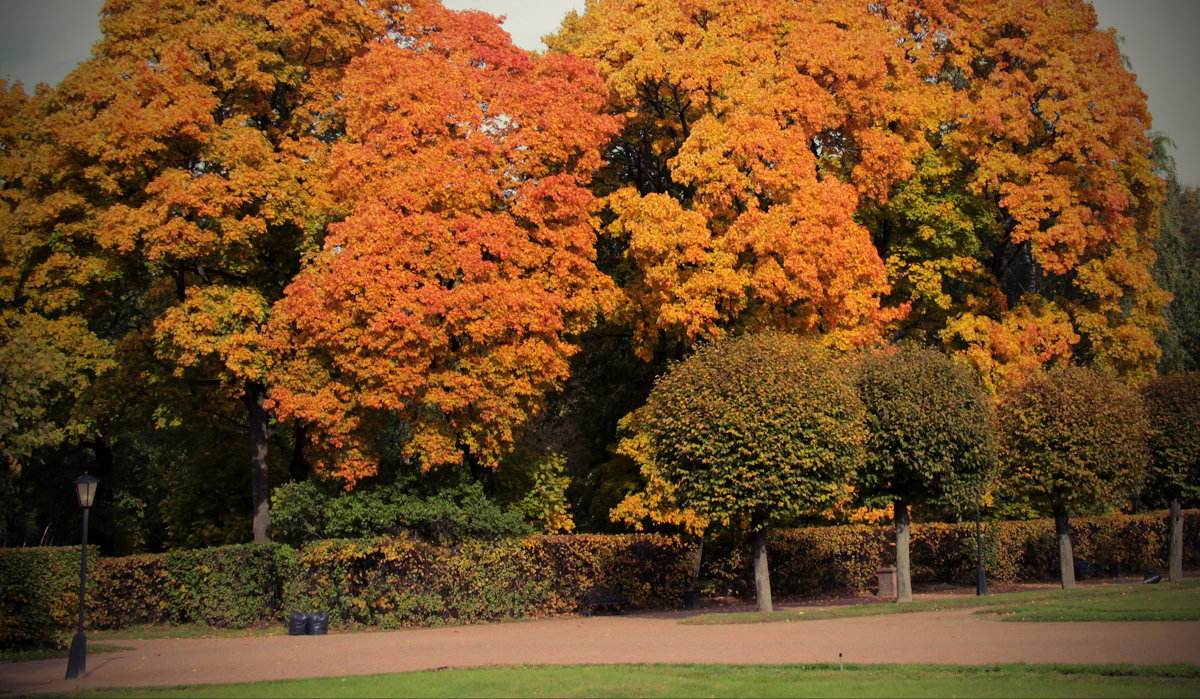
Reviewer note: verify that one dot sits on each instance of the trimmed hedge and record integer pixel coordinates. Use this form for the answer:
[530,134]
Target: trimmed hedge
[39,596]
[401,581]
[844,559]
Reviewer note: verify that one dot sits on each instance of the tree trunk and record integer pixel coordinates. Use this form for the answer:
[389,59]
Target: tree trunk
[481,474]
[260,483]
[903,567]
[298,466]
[762,575]
[697,561]
[1175,557]
[1066,555]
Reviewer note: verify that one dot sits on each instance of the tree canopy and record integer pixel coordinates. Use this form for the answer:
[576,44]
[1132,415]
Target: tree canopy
[447,295]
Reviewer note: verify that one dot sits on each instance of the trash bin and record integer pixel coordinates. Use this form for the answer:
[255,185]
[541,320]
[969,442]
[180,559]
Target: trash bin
[691,599]
[297,624]
[887,582]
[318,623]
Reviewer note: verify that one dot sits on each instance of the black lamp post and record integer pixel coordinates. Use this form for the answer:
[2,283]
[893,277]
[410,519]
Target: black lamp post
[85,490]
[981,576]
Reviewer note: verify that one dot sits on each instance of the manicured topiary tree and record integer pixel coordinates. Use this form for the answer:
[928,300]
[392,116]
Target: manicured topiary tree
[930,438]
[1071,440]
[1173,405]
[754,431]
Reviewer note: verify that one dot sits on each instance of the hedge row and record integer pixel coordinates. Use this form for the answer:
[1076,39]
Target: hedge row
[844,559]
[401,581]
[387,582]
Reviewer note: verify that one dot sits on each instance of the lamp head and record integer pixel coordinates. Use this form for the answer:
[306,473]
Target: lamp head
[85,489]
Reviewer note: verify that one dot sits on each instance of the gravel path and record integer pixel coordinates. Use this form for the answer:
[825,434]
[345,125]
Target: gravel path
[951,637]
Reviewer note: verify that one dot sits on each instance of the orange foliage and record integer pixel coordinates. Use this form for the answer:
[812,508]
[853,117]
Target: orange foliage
[445,296]
[755,130]
[1052,132]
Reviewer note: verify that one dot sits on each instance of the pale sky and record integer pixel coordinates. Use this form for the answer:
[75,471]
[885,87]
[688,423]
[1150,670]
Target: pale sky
[42,40]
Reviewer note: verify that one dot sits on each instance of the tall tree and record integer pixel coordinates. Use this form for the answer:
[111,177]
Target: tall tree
[1173,404]
[1025,238]
[732,190]
[448,295]
[752,432]
[1071,440]
[190,149]
[1178,266]
[930,438]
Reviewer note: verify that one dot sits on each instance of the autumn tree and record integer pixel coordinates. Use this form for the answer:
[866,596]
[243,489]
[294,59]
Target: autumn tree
[1024,239]
[1173,404]
[1178,266]
[1071,440]
[732,191]
[930,438]
[447,298]
[188,151]
[755,431]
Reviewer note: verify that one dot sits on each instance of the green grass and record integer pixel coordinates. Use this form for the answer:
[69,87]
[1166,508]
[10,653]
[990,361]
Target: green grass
[1159,603]
[723,681]
[18,656]
[1104,602]
[144,631]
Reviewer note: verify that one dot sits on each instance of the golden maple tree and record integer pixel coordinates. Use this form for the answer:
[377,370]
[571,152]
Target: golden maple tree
[754,132]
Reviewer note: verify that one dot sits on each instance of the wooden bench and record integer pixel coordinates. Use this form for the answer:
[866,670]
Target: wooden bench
[600,597]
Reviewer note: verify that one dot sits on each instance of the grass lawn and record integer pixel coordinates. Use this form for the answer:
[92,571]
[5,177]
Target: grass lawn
[17,656]
[724,681]
[1103,602]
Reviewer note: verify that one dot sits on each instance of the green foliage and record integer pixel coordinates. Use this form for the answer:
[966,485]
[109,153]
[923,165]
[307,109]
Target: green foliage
[757,429]
[1177,269]
[39,590]
[435,505]
[535,484]
[1173,404]
[929,429]
[229,586]
[843,559]
[402,581]
[1072,440]
[129,590]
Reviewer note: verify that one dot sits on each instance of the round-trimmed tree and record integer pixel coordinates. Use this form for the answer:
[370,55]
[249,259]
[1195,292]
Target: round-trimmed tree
[1071,440]
[930,438]
[755,431]
[1173,405]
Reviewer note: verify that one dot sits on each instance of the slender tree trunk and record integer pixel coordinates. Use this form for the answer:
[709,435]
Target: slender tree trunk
[697,561]
[903,567]
[260,483]
[298,466]
[1175,557]
[1066,555]
[481,474]
[762,575]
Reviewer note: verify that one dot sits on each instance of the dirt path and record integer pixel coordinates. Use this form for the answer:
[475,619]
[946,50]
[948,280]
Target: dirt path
[953,637]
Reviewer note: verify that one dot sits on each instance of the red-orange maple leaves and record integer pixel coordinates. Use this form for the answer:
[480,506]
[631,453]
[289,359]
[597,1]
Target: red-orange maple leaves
[445,297]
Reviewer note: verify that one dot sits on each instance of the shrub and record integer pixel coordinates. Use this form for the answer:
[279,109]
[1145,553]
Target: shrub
[844,559]
[39,590]
[400,581]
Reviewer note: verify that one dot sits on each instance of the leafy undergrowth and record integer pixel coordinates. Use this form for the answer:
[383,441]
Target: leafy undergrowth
[724,681]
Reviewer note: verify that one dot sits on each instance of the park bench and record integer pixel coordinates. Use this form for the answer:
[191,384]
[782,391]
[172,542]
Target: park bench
[600,597]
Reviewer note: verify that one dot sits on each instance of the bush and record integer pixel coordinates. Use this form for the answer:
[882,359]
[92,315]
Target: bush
[402,581]
[844,559]
[39,596]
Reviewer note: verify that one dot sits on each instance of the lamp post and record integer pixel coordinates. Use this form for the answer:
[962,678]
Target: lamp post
[981,576]
[85,491]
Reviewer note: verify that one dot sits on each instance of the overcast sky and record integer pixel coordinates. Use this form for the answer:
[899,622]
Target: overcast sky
[42,40]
